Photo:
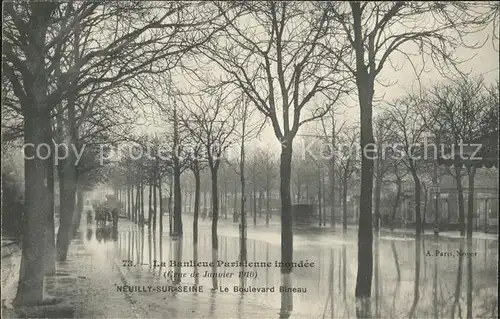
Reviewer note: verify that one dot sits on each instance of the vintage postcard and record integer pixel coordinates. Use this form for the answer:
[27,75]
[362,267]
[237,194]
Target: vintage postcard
[250,159]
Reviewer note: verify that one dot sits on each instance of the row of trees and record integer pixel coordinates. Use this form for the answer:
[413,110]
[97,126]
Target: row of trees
[67,74]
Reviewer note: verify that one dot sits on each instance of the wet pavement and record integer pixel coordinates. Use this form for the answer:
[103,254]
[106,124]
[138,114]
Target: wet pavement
[429,279]
[113,274]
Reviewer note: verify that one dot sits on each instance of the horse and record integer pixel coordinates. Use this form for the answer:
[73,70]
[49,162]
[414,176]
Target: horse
[101,216]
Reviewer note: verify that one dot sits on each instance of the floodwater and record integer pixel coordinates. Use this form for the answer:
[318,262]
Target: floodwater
[428,278]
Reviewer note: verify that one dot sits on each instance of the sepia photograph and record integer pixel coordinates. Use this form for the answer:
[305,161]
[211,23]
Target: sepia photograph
[250,159]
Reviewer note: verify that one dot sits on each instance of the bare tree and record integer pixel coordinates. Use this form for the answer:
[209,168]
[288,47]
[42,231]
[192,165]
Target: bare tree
[409,127]
[285,53]
[336,128]
[378,32]
[399,174]
[268,168]
[463,112]
[347,165]
[382,164]
[210,119]
[197,164]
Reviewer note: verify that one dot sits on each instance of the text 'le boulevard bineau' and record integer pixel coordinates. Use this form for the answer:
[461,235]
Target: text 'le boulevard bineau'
[197,288]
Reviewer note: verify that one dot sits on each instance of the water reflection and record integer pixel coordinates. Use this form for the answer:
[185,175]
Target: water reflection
[214,269]
[376,272]
[410,281]
[103,234]
[435,289]
[177,247]
[286,296]
[331,286]
[416,291]
[195,259]
[469,280]
[242,294]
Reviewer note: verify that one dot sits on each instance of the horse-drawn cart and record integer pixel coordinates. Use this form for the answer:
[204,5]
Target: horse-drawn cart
[107,213]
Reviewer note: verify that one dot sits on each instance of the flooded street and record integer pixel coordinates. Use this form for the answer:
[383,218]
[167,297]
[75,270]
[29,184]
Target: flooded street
[444,278]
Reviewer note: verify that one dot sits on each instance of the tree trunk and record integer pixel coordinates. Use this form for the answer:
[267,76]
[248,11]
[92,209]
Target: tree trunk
[286,208]
[243,242]
[69,167]
[129,212]
[418,217]
[416,289]
[225,199]
[332,174]
[190,202]
[177,231]
[204,204]
[261,196]
[378,190]
[150,204]
[424,213]
[30,288]
[137,204]
[319,198]
[196,204]
[396,204]
[155,208]
[132,204]
[79,209]
[235,202]
[50,246]
[268,205]
[142,204]
[170,215]
[160,195]
[461,206]
[215,209]
[365,233]
[471,170]
[254,201]
[67,191]
[344,205]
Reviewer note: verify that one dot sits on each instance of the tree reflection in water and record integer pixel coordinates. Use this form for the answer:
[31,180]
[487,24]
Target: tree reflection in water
[149,249]
[458,285]
[330,282]
[161,257]
[344,271]
[214,269]
[142,245]
[435,288]
[195,259]
[376,275]
[416,290]
[242,293]
[398,272]
[286,297]
[329,298]
[469,278]
[177,247]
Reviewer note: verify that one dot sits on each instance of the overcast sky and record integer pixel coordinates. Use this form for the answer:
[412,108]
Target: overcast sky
[485,62]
